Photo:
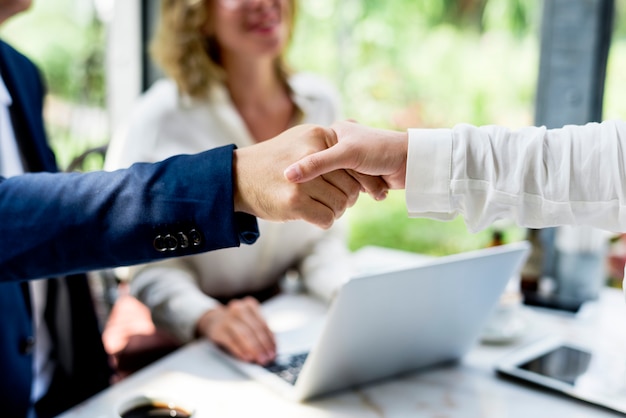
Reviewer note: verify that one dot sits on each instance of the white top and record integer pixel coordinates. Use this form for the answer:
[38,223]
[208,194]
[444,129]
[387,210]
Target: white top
[166,123]
[535,176]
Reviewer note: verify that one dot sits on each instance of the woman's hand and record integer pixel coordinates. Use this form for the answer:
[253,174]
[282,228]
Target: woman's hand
[240,328]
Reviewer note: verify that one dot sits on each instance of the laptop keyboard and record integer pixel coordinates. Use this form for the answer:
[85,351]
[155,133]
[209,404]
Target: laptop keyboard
[287,366]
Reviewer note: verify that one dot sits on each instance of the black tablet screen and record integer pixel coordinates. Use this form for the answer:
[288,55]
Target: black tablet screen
[563,363]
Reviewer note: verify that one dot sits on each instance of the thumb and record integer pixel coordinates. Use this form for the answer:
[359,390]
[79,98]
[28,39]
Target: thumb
[316,164]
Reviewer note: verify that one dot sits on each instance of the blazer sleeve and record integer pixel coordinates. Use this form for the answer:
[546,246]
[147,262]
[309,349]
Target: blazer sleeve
[61,223]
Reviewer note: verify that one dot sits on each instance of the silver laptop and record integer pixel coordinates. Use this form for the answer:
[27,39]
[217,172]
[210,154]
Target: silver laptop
[393,322]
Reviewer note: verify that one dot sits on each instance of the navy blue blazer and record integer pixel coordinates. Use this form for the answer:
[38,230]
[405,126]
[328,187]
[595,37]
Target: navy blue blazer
[55,224]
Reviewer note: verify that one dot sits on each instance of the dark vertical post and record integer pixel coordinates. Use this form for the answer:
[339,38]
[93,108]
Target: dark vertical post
[149,18]
[575,41]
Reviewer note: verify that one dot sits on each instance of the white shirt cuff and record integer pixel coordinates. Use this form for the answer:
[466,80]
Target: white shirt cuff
[428,171]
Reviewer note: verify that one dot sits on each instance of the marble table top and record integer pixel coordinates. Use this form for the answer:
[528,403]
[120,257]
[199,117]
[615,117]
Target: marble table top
[197,378]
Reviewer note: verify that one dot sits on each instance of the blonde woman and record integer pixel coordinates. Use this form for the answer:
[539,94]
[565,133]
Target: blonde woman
[228,83]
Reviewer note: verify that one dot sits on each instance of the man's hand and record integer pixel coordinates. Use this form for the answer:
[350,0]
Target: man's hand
[368,151]
[240,329]
[262,190]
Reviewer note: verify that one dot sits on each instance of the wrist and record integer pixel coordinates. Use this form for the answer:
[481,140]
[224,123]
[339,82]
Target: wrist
[400,143]
[239,202]
[206,322]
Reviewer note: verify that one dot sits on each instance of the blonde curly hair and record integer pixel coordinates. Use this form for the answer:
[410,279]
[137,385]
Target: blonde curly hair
[187,55]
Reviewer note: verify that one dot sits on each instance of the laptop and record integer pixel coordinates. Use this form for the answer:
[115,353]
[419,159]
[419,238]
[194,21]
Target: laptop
[388,323]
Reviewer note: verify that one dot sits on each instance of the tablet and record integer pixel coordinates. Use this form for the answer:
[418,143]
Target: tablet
[574,370]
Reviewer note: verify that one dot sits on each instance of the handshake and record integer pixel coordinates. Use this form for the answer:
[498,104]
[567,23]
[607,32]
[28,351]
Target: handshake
[314,173]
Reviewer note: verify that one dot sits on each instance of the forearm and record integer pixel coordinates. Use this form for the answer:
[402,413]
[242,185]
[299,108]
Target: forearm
[534,176]
[173,296]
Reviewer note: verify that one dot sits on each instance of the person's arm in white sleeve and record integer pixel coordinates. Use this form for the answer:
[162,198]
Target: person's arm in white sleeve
[179,306]
[169,289]
[534,176]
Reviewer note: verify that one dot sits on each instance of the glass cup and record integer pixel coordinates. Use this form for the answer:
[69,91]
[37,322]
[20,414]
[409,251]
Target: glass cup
[581,275]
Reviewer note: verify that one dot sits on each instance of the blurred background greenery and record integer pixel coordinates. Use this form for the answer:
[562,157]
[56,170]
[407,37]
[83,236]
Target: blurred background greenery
[397,64]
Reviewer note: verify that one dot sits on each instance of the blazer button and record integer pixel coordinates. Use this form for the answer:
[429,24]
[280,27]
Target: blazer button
[195,237]
[27,345]
[159,243]
[170,242]
[183,240]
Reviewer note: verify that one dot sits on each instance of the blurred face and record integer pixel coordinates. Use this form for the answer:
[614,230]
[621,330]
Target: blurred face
[249,27]
[9,8]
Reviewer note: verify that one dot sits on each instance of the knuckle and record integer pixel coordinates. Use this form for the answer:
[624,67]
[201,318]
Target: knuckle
[352,201]
[326,221]
[316,130]
[296,202]
[249,301]
[341,202]
[236,305]
[355,189]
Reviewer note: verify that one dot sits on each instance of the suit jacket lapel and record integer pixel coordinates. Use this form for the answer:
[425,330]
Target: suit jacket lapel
[26,92]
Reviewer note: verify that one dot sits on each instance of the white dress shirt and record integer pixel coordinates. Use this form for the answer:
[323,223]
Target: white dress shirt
[11,165]
[10,160]
[166,123]
[534,176]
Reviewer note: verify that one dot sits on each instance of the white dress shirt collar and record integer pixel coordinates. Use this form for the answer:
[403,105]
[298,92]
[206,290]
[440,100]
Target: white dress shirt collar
[10,161]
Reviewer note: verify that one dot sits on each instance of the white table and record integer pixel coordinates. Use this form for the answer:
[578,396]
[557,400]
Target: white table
[195,376]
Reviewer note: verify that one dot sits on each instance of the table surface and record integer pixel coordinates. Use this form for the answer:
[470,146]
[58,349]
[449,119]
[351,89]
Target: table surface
[196,377]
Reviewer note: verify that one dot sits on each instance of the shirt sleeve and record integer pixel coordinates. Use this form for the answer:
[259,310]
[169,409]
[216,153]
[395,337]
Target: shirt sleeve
[170,290]
[534,176]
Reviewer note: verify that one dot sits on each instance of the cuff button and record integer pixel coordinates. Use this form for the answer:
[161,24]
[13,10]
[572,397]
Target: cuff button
[195,237]
[159,244]
[182,240]
[171,243]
